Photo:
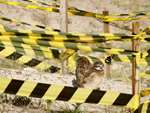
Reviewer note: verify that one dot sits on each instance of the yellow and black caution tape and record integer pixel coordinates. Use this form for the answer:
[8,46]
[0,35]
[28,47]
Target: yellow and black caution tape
[32,50]
[54,5]
[74,8]
[145,54]
[131,16]
[144,107]
[66,45]
[81,37]
[117,25]
[70,12]
[145,31]
[59,36]
[46,52]
[112,23]
[39,26]
[145,92]
[142,14]
[55,54]
[65,93]
[39,2]
[85,38]
[128,59]
[122,58]
[3,28]
[145,39]
[145,74]
[108,19]
[25,60]
[69,37]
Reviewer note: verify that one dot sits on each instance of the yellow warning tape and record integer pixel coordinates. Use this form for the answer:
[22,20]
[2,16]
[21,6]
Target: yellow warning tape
[145,75]
[65,45]
[55,54]
[145,92]
[3,28]
[31,50]
[145,54]
[144,107]
[108,19]
[25,60]
[38,2]
[65,93]
[83,37]
[61,37]
[128,59]
[57,6]
[39,26]
[128,14]
[89,14]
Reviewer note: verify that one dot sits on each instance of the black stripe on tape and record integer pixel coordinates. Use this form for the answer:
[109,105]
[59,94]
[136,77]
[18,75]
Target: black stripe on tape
[123,99]
[148,51]
[1,48]
[57,30]
[147,39]
[148,108]
[14,56]
[139,110]
[66,93]
[148,111]
[39,90]
[13,86]
[95,96]
[33,63]
[124,14]
[56,53]
[41,26]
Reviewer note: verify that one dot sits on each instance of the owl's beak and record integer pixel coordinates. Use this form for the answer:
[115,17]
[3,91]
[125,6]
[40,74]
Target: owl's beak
[99,67]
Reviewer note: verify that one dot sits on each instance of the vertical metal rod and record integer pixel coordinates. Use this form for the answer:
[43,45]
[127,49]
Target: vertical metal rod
[135,68]
[107,45]
[64,28]
[133,62]
[136,62]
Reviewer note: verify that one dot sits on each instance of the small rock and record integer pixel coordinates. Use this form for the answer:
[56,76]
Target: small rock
[28,70]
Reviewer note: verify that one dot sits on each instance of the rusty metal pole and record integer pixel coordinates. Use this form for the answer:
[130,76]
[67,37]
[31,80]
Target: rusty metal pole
[107,45]
[64,28]
[135,67]
[133,60]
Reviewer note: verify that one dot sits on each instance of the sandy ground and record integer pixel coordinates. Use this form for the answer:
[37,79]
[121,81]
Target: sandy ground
[76,24]
[30,74]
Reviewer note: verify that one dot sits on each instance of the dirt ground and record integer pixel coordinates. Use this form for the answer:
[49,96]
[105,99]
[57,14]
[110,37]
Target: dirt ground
[77,24]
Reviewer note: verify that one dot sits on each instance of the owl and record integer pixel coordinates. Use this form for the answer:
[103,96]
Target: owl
[83,66]
[94,76]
